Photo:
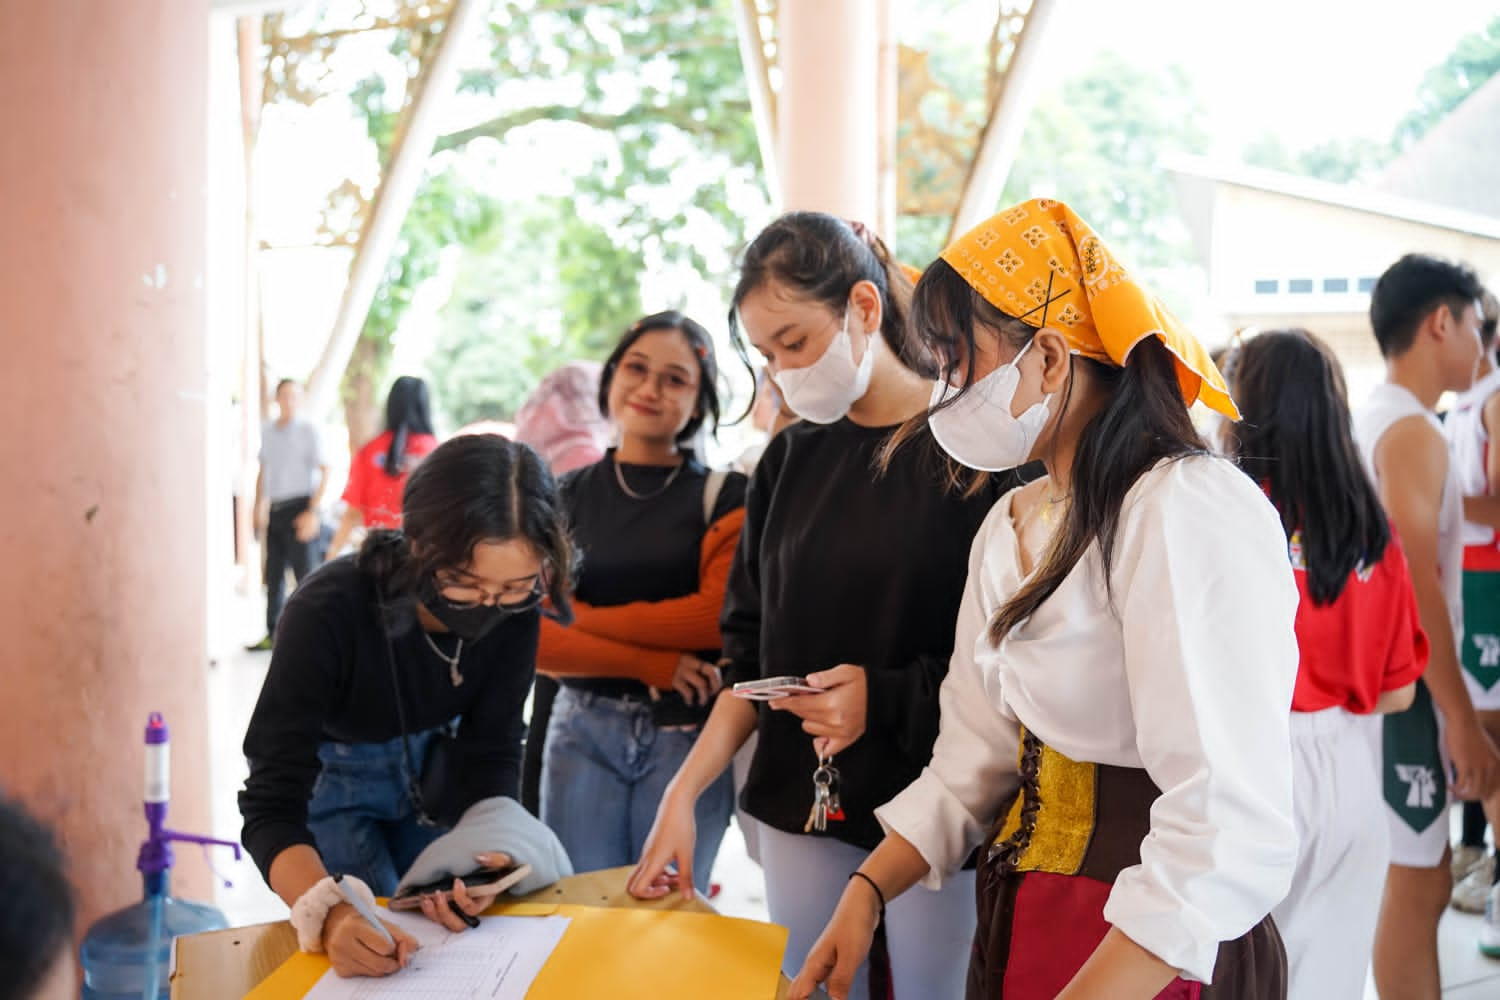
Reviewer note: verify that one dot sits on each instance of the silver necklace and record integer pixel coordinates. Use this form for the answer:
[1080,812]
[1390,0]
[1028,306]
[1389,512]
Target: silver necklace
[632,494]
[452,661]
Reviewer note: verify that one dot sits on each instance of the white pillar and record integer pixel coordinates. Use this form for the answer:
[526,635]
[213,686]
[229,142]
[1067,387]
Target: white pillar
[828,107]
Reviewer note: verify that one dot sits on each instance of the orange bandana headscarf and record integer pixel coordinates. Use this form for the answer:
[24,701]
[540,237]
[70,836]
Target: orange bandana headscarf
[1012,258]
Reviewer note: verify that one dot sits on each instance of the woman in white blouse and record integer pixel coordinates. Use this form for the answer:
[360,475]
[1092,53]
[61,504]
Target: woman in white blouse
[1114,722]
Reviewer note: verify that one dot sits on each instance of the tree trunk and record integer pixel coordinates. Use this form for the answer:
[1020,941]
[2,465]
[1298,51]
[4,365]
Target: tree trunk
[362,415]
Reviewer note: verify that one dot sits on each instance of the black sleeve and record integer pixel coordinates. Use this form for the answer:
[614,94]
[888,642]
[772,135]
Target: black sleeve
[492,732]
[902,705]
[739,622]
[313,649]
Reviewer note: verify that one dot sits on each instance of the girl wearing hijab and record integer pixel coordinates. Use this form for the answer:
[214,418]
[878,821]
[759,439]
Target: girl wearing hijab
[1114,732]
[846,576]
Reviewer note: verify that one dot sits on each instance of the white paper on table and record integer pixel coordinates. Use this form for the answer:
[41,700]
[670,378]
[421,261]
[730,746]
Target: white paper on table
[498,960]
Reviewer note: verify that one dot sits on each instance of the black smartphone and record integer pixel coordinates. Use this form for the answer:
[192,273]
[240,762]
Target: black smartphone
[484,883]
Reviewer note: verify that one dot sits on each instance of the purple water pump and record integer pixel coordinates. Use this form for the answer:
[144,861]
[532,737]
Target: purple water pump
[156,857]
[126,955]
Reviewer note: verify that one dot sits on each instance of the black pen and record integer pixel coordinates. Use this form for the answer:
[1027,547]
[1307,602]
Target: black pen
[453,905]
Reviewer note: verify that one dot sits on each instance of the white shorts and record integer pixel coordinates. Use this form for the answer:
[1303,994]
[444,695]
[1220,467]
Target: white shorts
[1327,920]
[1415,774]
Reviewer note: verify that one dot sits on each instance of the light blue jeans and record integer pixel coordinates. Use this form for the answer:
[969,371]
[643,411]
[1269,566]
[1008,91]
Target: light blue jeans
[605,766]
[361,813]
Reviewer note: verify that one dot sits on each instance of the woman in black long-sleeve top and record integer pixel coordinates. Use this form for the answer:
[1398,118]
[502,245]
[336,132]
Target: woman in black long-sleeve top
[848,576]
[376,653]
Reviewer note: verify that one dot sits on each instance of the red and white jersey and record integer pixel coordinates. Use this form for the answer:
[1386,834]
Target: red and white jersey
[1367,642]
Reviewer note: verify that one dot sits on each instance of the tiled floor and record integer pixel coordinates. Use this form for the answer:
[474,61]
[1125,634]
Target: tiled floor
[234,683]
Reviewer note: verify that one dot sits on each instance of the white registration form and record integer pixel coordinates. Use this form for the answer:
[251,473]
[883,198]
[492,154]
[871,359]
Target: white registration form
[498,960]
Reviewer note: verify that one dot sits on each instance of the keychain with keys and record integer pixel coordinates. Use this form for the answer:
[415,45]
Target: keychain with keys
[825,805]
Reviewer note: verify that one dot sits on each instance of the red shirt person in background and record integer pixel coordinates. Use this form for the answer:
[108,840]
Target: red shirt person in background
[378,473]
[1361,641]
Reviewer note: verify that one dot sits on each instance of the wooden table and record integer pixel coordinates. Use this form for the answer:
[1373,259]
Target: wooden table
[219,965]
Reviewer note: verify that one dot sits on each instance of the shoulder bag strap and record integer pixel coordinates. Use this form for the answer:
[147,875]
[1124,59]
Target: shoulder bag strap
[711,487]
[413,784]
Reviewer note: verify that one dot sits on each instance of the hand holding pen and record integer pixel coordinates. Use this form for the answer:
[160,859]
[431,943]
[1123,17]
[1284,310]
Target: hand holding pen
[359,943]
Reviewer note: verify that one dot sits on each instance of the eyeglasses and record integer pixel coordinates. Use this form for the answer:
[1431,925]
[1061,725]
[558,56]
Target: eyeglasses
[669,380]
[515,597]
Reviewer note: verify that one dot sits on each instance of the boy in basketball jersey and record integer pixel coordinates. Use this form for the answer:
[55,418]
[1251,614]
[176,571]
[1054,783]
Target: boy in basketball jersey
[1426,314]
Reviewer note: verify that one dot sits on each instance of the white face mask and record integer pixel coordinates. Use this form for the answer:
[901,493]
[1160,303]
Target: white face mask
[978,429]
[824,390]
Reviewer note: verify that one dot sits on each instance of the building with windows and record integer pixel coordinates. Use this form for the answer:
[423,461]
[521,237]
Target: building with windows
[1282,250]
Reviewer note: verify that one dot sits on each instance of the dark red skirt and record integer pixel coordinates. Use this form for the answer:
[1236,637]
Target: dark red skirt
[1066,835]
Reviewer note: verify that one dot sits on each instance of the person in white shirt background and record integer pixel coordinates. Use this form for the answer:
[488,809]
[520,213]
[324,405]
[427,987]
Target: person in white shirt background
[1425,316]
[1470,426]
[1114,723]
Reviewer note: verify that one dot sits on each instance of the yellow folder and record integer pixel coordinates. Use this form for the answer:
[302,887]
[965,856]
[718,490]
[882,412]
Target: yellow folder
[621,954]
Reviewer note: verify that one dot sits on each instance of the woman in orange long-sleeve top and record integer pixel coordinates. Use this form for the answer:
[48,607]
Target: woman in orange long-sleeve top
[658,532]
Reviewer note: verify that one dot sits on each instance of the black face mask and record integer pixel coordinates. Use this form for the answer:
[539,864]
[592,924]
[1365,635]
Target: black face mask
[469,623]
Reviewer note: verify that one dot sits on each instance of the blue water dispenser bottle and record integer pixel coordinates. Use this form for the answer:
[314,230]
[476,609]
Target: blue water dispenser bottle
[126,954]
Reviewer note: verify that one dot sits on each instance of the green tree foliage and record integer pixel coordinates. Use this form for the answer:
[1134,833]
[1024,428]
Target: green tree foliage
[1095,143]
[506,323]
[1341,161]
[1469,66]
[1473,61]
[659,81]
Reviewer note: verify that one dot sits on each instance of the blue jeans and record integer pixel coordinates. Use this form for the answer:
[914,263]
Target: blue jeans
[361,814]
[605,766]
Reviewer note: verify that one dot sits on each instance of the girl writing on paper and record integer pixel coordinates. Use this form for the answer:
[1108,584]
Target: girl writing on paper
[1361,642]
[376,655]
[657,531]
[1114,721]
[846,576]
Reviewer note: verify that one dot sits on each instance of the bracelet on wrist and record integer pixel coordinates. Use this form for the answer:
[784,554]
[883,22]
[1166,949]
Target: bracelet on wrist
[871,882]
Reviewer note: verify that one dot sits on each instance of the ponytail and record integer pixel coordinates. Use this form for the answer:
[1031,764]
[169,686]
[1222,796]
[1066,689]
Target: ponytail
[820,257]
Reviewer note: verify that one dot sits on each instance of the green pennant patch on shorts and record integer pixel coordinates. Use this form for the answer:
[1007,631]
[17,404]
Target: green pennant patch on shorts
[1481,650]
[1416,786]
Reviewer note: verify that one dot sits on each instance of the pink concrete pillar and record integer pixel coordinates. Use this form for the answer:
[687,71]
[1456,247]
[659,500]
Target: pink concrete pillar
[102,492]
[829,105]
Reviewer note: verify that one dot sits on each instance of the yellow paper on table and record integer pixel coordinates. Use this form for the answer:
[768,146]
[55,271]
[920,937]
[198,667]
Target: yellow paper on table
[621,954]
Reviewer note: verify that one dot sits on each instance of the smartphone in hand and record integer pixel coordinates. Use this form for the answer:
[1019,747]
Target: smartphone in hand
[770,688]
[486,883]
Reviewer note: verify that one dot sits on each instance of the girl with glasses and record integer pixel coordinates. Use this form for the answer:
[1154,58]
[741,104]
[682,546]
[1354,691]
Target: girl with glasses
[376,655]
[657,532]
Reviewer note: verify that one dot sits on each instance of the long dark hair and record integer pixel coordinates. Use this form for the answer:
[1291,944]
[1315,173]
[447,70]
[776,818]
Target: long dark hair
[820,257]
[707,404]
[1295,439]
[1144,422]
[408,411]
[473,488]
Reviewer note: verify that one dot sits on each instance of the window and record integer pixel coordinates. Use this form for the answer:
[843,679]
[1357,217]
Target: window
[1336,285]
[1270,287]
[1366,284]
[1299,286]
